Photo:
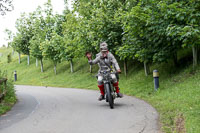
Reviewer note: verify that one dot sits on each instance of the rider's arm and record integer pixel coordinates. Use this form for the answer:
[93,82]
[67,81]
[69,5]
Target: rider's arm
[114,61]
[95,61]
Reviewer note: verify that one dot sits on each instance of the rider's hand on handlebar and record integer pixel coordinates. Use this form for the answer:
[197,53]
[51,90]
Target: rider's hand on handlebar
[119,71]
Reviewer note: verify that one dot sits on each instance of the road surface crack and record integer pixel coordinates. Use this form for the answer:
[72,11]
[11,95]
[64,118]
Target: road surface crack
[145,125]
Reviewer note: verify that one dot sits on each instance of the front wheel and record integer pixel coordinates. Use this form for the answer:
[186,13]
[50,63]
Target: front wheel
[109,96]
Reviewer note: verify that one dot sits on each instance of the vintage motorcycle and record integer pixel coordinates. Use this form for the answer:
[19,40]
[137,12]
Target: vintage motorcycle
[110,93]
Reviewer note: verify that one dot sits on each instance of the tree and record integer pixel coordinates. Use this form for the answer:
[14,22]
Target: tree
[49,20]
[10,36]
[17,40]
[155,30]
[25,28]
[99,23]
[185,26]
[39,37]
[46,28]
[6,6]
[99,20]
[72,38]
[35,50]
[135,40]
[52,49]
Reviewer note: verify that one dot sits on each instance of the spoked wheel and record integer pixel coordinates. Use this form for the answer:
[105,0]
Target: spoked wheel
[109,96]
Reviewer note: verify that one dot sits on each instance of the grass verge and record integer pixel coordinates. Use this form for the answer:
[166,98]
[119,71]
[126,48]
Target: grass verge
[9,99]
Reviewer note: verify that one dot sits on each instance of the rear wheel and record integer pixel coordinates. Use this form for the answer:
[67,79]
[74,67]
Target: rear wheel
[109,96]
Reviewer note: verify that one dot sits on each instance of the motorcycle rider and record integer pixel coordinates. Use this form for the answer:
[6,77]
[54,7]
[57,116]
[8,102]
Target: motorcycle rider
[105,60]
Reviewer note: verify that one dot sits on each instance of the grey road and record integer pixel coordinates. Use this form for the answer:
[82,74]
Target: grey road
[66,110]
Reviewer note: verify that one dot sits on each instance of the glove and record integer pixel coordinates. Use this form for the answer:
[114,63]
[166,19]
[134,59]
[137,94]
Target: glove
[89,55]
[119,71]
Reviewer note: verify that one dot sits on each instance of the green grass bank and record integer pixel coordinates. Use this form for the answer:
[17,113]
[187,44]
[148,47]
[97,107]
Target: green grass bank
[177,99]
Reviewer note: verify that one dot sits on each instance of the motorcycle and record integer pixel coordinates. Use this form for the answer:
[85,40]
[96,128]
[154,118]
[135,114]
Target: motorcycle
[110,93]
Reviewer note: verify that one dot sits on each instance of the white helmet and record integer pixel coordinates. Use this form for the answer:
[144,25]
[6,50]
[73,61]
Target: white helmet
[103,44]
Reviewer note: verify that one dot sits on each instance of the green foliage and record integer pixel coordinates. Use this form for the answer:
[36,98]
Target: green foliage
[72,37]
[98,21]
[25,28]
[10,98]
[52,49]
[9,58]
[126,52]
[39,34]
[49,21]
[149,31]
[10,36]
[17,40]
[34,48]
[156,30]
[136,34]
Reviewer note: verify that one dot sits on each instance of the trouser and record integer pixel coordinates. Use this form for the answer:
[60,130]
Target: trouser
[113,77]
[114,81]
[101,88]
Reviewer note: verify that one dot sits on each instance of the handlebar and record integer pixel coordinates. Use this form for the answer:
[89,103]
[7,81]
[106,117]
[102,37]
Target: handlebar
[105,72]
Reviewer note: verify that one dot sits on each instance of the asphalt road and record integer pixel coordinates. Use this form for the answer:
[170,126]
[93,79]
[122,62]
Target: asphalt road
[66,110]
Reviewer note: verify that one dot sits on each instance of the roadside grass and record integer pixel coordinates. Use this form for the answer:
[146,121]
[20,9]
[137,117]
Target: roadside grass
[9,99]
[4,53]
[177,99]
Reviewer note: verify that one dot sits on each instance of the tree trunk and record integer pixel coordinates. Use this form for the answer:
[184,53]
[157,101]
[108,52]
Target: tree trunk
[36,62]
[41,62]
[125,67]
[146,68]
[71,65]
[90,68]
[13,52]
[28,59]
[19,57]
[175,59]
[194,51]
[55,69]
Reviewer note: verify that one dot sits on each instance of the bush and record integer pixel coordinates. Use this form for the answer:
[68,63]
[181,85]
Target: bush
[10,98]
[9,59]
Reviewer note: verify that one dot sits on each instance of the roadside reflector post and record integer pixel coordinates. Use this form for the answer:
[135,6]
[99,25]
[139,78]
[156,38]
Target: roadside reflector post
[156,79]
[15,75]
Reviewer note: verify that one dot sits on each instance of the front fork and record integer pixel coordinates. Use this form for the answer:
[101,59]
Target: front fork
[112,90]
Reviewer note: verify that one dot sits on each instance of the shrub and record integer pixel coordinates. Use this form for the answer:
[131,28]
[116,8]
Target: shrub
[9,59]
[10,98]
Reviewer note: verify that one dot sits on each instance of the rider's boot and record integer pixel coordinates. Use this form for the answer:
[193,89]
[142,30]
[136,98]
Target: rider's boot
[117,90]
[101,88]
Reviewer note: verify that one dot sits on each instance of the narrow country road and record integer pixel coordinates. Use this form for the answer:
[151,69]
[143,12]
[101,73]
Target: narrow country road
[65,110]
